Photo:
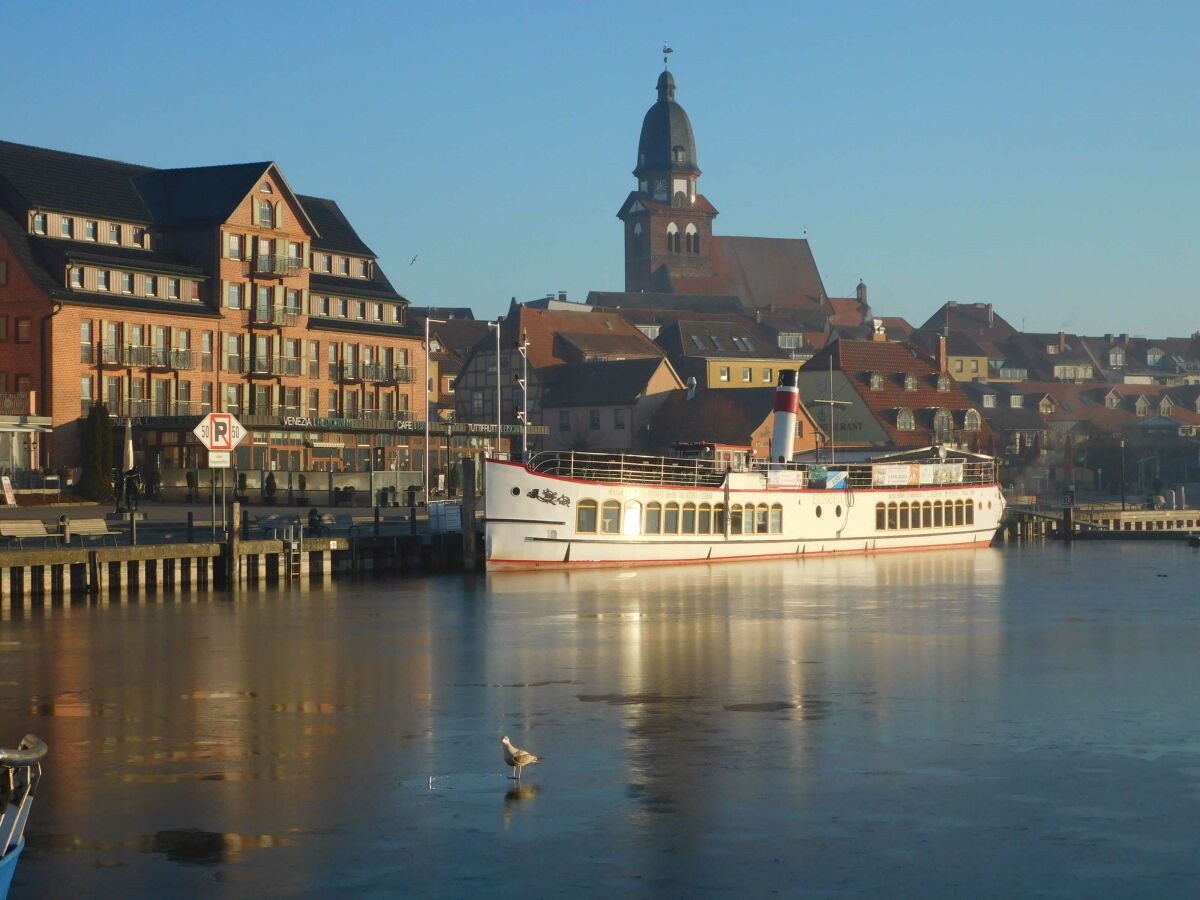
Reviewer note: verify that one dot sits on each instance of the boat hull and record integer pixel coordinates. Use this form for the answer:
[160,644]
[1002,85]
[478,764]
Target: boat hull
[531,521]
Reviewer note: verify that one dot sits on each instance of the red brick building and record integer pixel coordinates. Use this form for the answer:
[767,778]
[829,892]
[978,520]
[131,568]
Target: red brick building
[169,293]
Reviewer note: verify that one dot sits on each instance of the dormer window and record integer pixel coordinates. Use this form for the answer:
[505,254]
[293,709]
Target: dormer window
[1112,401]
[1016,401]
[910,381]
[1052,349]
[39,223]
[971,420]
[943,382]
[989,401]
[677,153]
[876,381]
[943,424]
[1153,356]
[1116,357]
[904,420]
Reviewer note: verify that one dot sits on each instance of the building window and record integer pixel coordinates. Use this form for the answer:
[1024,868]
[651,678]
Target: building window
[345,264]
[24,384]
[76,276]
[173,288]
[593,420]
[114,234]
[904,419]
[24,330]
[126,283]
[943,424]
[4,329]
[234,245]
[989,401]
[943,381]
[344,308]
[958,365]
[974,367]
[90,229]
[103,280]
[747,375]
[327,263]
[724,373]
[364,268]
[619,419]
[266,214]
[971,420]
[768,375]
[39,223]
[151,286]
[378,312]
[293,300]
[233,296]
[67,227]
[910,382]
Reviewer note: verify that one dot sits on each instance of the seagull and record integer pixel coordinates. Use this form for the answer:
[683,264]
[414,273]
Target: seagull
[517,758]
[414,259]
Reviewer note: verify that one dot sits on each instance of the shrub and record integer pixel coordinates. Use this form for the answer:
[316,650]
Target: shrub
[96,446]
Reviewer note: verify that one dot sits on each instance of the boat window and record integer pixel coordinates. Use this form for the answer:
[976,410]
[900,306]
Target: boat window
[904,516]
[585,517]
[653,518]
[631,522]
[937,513]
[689,518]
[671,519]
[892,516]
[610,517]
[880,517]
[776,518]
[926,514]
[735,518]
[959,517]
[971,512]
[748,519]
[818,512]
[761,522]
[704,526]
[719,518]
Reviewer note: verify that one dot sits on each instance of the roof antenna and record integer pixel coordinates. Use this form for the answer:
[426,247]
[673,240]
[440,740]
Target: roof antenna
[667,51]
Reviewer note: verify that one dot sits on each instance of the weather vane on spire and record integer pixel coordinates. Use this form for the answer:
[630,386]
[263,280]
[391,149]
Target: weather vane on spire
[667,51]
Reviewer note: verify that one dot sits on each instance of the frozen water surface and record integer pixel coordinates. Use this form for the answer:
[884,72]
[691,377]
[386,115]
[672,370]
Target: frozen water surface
[1015,722]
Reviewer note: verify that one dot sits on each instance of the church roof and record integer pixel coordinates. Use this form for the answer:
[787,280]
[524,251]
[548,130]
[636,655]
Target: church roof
[665,129]
[768,272]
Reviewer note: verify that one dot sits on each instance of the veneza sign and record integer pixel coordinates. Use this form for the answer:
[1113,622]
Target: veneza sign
[220,433]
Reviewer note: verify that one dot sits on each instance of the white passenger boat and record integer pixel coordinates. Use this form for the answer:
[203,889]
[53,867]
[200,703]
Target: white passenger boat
[20,772]
[574,509]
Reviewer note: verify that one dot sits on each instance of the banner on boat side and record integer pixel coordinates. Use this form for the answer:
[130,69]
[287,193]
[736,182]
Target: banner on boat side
[913,474]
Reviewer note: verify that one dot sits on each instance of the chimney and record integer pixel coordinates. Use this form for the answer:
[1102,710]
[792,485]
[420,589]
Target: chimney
[991,315]
[878,330]
[1062,342]
[691,386]
[943,364]
[1108,339]
[562,295]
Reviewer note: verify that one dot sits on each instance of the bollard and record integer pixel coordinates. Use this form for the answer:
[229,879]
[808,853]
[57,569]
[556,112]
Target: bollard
[64,527]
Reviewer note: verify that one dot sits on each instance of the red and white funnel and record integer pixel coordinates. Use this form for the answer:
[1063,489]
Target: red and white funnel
[787,404]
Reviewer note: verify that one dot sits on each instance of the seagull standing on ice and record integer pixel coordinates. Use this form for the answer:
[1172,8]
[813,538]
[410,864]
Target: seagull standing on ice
[517,758]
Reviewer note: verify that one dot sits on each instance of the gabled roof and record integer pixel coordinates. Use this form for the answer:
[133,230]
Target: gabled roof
[858,360]
[718,416]
[715,339]
[978,319]
[334,230]
[768,273]
[71,183]
[542,327]
[204,195]
[611,383]
[701,303]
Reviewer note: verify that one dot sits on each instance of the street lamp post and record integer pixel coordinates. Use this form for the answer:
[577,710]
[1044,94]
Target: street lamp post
[425,408]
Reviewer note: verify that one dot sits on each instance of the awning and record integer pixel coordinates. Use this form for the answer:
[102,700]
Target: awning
[40,429]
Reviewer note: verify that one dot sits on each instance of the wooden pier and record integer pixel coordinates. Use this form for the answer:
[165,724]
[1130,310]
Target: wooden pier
[1098,523]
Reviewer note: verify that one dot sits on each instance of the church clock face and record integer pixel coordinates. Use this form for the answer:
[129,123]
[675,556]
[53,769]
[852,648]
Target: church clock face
[660,186]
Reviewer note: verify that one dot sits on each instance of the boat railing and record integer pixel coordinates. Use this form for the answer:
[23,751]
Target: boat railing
[862,475]
[20,772]
[628,468]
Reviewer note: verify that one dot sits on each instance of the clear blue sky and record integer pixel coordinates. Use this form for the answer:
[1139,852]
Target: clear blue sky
[1038,155]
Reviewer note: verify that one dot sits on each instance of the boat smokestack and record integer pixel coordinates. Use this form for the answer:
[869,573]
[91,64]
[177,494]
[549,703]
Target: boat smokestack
[787,405]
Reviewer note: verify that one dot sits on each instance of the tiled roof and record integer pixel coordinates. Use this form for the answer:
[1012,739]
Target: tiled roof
[57,252]
[701,303]
[718,416]
[715,339]
[336,232]
[70,183]
[978,319]
[769,273]
[457,336]
[377,287]
[204,195]
[541,326]
[858,360]
[613,383]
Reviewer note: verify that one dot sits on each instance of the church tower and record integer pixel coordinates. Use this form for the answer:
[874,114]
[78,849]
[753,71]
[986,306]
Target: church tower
[668,225]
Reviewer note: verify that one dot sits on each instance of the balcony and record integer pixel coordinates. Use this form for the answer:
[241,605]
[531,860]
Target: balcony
[15,404]
[161,358]
[382,373]
[136,356]
[275,365]
[273,316]
[234,363]
[111,356]
[345,372]
[274,266]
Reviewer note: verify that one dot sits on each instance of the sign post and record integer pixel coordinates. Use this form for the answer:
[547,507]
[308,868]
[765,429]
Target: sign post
[220,433]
